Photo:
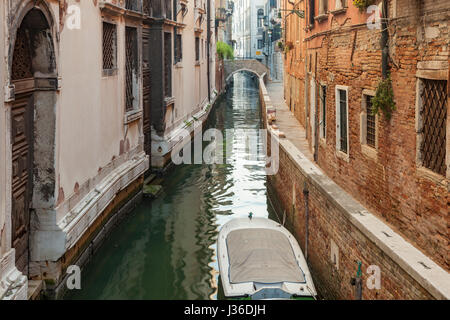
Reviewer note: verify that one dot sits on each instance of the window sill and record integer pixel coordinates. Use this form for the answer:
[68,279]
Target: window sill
[109,72]
[342,155]
[338,11]
[132,116]
[179,65]
[197,63]
[369,152]
[321,17]
[428,174]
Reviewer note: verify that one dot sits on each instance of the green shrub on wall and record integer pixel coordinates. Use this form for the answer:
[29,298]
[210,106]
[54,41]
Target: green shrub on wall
[224,50]
[383,101]
[363,4]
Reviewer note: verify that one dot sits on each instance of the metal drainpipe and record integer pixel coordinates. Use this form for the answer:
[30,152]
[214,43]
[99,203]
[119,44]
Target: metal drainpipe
[306,196]
[385,41]
[208,40]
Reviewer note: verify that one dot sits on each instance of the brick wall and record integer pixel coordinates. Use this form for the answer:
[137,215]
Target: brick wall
[387,181]
[327,223]
[331,223]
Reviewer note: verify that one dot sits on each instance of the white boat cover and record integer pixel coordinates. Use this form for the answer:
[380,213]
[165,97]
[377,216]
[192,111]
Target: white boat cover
[263,256]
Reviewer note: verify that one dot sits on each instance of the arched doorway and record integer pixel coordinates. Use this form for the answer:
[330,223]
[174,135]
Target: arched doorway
[34,78]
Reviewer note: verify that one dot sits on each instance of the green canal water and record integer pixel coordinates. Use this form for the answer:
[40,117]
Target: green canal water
[166,248]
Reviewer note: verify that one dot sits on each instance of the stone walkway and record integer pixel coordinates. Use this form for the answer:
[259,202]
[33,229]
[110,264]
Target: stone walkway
[286,121]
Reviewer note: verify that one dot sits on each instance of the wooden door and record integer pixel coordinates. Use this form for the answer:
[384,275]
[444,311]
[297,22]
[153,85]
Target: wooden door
[22,175]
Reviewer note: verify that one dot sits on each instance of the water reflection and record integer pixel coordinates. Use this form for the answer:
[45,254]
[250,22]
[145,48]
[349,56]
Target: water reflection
[166,249]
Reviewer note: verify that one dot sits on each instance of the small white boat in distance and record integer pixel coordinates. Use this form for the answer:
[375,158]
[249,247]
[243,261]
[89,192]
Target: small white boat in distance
[260,259]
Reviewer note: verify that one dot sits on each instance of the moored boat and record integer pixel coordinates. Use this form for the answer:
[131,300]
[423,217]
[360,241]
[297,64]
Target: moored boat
[260,259]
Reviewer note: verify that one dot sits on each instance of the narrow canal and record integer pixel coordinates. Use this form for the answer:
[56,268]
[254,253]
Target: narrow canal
[166,248]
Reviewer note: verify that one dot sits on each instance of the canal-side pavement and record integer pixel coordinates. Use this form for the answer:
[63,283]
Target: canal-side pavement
[341,232]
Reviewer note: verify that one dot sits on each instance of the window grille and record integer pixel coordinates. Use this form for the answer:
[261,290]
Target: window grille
[167,64]
[323,99]
[178,48]
[370,123]
[21,64]
[197,49]
[343,118]
[434,117]
[130,65]
[109,46]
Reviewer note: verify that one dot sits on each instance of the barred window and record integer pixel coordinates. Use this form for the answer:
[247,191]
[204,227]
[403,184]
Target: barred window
[197,49]
[370,123]
[131,68]
[342,124]
[323,102]
[167,64]
[434,117]
[178,48]
[109,46]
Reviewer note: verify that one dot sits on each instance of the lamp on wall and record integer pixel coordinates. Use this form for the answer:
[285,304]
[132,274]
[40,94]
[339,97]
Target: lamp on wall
[300,13]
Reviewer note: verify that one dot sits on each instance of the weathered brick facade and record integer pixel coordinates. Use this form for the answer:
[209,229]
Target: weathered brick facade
[388,179]
[340,233]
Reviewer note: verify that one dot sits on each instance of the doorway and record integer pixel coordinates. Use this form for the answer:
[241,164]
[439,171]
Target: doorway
[32,128]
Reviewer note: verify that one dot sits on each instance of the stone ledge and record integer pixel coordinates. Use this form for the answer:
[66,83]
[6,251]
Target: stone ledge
[13,284]
[52,240]
[422,269]
[100,197]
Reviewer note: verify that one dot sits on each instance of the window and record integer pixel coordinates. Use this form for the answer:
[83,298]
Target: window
[312,11]
[340,4]
[167,64]
[260,44]
[433,114]
[368,126]
[342,119]
[132,5]
[323,6]
[109,47]
[131,69]
[323,107]
[370,123]
[178,49]
[197,49]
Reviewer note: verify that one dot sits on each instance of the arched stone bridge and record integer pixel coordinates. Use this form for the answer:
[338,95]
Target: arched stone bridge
[247,65]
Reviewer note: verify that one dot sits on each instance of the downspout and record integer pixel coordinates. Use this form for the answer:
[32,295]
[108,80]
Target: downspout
[306,197]
[384,41]
[208,41]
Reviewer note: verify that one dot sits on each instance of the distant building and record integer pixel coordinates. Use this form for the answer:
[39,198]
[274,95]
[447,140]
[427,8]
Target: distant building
[248,29]
[224,20]
[273,55]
